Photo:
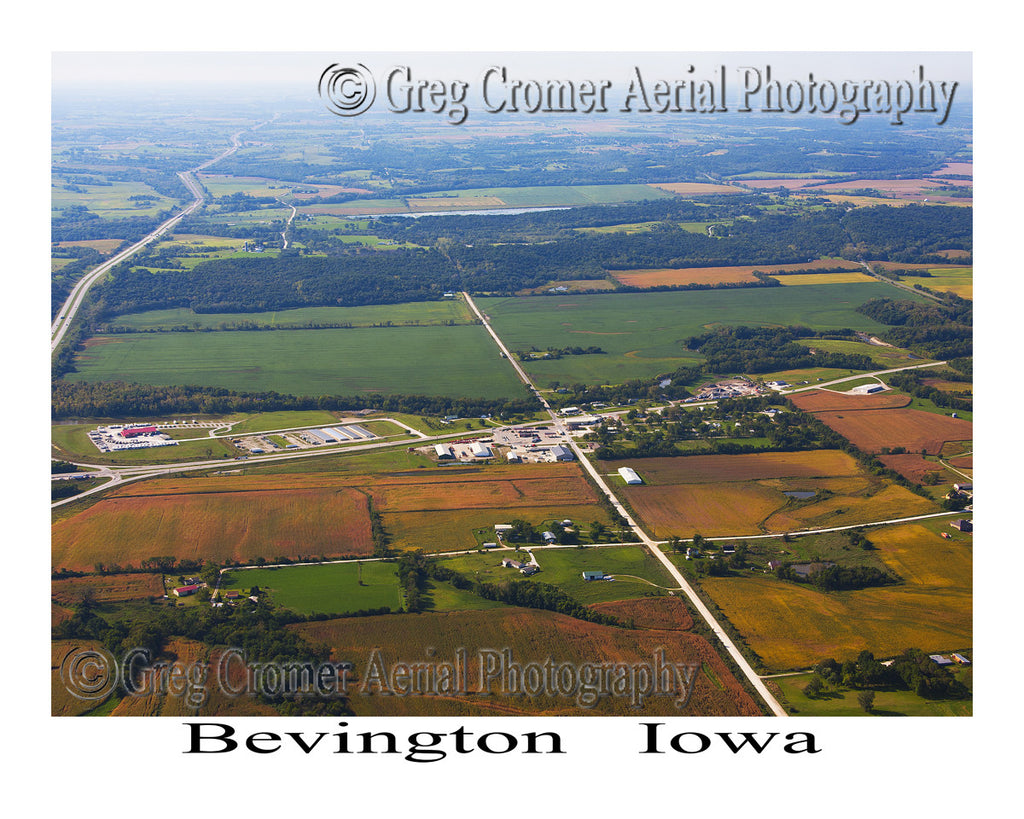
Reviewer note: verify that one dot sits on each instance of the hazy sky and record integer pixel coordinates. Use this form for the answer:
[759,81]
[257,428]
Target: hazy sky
[255,70]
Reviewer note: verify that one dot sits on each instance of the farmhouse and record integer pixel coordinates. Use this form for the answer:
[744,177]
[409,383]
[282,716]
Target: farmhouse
[529,570]
[963,525]
[629,476]
[185,591]
[509,563]
[593,575]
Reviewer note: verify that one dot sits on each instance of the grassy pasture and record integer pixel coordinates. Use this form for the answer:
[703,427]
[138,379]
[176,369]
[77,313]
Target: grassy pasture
[887,703]
[460,360]
[564,567]
[330,588]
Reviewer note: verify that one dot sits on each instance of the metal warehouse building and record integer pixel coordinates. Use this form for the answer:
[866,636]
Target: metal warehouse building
[630,476]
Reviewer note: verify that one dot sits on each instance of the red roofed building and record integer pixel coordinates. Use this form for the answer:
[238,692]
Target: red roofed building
[131,432]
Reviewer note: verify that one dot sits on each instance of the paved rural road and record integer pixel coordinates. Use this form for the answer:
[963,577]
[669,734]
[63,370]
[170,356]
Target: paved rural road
[862,375]
[73,302]
[652,546]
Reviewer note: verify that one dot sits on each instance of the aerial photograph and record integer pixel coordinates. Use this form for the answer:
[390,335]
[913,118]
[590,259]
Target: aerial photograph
[461,385]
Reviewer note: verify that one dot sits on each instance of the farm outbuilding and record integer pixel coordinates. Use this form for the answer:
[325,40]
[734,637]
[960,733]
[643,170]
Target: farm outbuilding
[593,575]
[630,476]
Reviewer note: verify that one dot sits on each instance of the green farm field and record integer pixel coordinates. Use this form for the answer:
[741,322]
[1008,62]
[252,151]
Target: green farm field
[642,333]
[329,588]
[459,360]
[409,313]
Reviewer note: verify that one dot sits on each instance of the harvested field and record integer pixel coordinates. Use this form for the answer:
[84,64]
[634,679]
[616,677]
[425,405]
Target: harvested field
[695,188]
[797,279]
[966,462]
[792,626]
[532,636]
[106,589]
[243,524]
[727,495]
[685,275]
[915,430]
[948,386]
[650,612]
[753,466]
[824,401]
[711,509]
[913,467]
[724,275]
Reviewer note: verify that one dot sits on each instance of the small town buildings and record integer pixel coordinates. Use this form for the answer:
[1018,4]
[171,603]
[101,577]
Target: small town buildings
[561,453]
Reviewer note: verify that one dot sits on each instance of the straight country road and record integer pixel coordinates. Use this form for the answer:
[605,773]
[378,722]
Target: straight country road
[652,546]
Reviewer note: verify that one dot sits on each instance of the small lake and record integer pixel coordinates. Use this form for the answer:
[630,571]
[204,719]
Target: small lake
[800,495]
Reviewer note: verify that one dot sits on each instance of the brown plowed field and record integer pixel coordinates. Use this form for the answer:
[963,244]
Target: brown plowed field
[532,636]
[825,401]
[717,275]
[913,429]
[650,612]
[234,525]
[748,467]
[105,589]
[913,467]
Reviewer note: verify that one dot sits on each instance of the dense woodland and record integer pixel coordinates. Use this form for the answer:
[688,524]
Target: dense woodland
[770,349]
[938,329]
[360,276]
[115,399]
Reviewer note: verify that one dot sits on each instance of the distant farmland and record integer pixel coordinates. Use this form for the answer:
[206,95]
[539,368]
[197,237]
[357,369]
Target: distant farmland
[458,361]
